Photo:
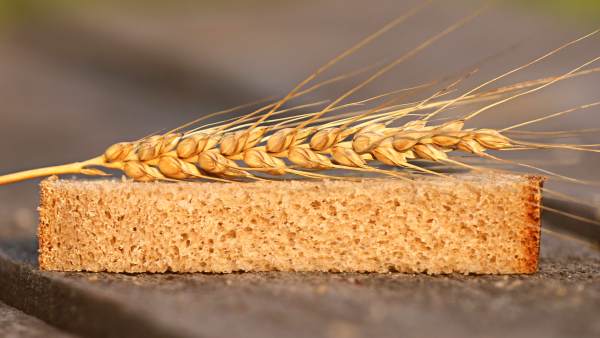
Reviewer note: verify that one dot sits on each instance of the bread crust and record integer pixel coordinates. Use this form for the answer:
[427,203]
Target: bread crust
[43,236]
[532,237]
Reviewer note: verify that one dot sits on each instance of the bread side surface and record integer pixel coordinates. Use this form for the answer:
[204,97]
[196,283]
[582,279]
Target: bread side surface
[466,224]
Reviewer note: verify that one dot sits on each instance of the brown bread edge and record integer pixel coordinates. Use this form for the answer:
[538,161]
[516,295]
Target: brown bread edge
[534,213]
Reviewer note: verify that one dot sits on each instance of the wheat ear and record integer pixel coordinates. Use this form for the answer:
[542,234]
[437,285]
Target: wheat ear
[252,146]
[140,160]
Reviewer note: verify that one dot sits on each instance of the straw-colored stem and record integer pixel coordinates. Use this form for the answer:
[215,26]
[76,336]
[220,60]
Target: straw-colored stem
[71,168]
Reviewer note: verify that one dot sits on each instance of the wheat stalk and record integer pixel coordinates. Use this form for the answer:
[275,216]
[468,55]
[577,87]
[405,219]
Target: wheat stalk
[256,146]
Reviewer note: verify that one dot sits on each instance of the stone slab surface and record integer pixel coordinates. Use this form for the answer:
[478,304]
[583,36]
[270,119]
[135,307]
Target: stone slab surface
[16,324]
[562,300]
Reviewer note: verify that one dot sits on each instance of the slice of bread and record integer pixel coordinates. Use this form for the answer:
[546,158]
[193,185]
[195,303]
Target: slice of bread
[483,224]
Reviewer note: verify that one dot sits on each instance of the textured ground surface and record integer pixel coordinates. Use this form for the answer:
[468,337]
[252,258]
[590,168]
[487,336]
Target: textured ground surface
[73,84]
[562,300]
[16,324]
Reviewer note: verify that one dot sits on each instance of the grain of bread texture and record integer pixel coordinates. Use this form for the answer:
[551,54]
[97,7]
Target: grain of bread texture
[481,224]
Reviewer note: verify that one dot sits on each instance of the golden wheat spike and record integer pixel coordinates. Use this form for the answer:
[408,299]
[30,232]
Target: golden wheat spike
[214,151]
[121,156]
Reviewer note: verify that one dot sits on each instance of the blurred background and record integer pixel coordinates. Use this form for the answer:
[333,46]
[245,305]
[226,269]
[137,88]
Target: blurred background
[77,76]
